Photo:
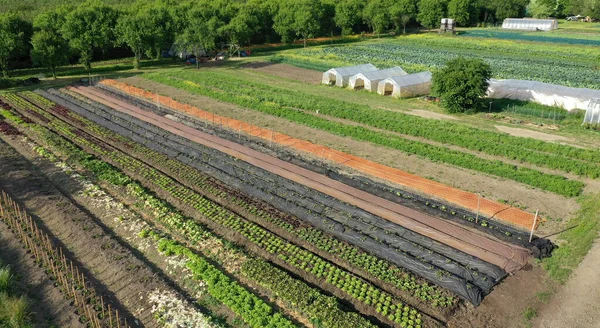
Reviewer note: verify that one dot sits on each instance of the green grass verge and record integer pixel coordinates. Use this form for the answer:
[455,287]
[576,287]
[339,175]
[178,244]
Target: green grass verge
[575,242]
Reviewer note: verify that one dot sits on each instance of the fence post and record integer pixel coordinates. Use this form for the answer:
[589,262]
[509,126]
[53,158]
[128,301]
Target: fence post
[478,202]
[533,225]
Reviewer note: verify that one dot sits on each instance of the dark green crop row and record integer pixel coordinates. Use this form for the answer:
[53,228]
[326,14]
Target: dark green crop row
[550,182]
[291,254]
[551,155]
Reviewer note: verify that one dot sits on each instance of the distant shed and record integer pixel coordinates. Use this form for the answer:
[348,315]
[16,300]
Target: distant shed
[370,80]
[406,86]
[340,75]
[530,24]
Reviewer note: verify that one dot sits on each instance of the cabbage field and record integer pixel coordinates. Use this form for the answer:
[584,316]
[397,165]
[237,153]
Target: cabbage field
[555,63]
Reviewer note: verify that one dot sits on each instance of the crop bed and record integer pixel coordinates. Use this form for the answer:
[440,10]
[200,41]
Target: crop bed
[418,202]
[309,205]
[402,312]
[323,242]
[300,108]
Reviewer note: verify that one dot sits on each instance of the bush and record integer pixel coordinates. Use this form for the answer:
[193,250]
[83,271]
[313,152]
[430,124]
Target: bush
[461,84]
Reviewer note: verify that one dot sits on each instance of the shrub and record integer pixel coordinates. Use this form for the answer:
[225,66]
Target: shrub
[461,84]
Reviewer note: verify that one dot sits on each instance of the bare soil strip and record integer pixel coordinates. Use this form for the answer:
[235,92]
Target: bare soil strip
[531,134]
[112,265]
[577,303]
[47,305]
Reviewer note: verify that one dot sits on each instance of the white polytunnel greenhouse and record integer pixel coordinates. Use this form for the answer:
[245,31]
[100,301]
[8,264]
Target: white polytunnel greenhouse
[530,24]
[411,85]
[369,80]
[340,75]
[542,93]
[592,115]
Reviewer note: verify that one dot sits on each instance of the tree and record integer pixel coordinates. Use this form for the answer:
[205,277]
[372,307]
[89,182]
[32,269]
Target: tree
[540,9]
[402,11]
[200,32]
[348,14]
[89,26]
[49,50]
[461,84]
[431,13]
[162,27]
[298,17]
[244,24]
[462,11]
[509,8]
[135,30]
[377,15]
[14,33]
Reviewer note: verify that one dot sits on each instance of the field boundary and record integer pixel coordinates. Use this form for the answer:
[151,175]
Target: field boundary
[492,209]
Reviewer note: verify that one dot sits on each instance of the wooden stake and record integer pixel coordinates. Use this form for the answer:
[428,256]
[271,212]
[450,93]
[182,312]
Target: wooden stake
[118,320]
[478,201]
[109,316]
[102,304]
[533,225]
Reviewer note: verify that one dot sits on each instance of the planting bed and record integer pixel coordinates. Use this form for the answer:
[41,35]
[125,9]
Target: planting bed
[418,202]
[191,230]
[376,269]
[458,197]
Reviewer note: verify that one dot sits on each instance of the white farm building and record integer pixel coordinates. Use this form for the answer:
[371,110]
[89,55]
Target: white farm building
[370,80]
[530,24]
[341,75]
[406,86]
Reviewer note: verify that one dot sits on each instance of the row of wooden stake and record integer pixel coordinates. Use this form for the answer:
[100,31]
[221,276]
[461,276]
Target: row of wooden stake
[67,274]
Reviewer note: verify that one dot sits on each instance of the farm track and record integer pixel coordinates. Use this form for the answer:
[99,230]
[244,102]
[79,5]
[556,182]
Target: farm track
[511,258]
[452,195]
[232,236]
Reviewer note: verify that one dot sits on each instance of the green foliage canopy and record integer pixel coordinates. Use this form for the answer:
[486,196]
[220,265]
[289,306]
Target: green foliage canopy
[461,84]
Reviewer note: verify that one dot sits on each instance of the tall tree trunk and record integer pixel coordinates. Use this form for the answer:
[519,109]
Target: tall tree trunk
[54,72]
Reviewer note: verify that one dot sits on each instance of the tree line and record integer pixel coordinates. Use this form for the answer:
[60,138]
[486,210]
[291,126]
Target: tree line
[145,28]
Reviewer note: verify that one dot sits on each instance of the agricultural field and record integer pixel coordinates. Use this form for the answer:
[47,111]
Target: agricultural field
[550,61]
[246,194]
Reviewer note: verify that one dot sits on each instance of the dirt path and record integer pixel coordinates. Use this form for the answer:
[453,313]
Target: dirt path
[503,308]
[430,114]
[287,72]
[114,270]
[48,307]
[577,303]
[517,132]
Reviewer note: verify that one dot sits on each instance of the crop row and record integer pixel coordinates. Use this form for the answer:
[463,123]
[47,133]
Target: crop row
[537,37]
[242,302]
[291,254]
[553,183]
[554,156]
[379,268]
